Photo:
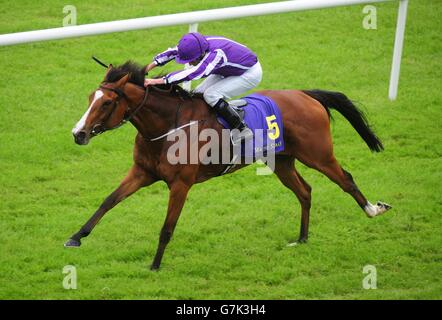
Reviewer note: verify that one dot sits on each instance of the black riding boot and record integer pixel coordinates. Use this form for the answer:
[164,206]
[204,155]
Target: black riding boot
[232,117]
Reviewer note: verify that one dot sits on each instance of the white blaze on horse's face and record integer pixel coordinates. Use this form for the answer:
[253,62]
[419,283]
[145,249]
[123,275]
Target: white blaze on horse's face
[80,124]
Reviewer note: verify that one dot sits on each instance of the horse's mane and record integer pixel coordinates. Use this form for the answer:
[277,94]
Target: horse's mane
[136,76]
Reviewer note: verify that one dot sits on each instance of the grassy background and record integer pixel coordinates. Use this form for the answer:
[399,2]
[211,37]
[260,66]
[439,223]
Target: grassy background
[233,243]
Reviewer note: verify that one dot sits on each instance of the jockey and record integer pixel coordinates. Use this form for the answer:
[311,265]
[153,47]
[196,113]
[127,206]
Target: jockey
[230,67]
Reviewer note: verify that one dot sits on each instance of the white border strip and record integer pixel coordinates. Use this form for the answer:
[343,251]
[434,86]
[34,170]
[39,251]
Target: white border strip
[174,130]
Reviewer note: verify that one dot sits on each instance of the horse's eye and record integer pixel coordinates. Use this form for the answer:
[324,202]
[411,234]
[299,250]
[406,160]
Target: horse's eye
[107,103]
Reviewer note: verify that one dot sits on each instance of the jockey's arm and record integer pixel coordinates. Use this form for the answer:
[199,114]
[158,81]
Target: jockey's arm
[152,82]
[151,65]
[204,68]
[160,60]
[164,57]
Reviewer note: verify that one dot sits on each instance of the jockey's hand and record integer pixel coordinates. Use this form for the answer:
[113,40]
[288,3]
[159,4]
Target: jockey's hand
[152,82]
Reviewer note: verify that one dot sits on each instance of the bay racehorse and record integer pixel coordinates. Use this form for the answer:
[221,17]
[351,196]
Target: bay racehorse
[154,111]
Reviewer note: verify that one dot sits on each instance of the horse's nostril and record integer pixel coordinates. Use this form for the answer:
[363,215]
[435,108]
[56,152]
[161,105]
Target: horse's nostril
[80,137]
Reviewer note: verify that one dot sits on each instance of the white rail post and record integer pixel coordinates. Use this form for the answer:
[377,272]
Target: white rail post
[188,84]
[397,51]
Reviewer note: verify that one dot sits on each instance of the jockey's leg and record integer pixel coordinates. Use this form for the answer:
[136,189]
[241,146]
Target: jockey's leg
[234,120]
[208,82]
[228,88]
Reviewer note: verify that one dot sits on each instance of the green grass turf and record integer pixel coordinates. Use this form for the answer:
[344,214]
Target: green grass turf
[233,243]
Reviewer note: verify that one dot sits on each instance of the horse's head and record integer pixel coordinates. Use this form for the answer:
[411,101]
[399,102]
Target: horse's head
[107,108]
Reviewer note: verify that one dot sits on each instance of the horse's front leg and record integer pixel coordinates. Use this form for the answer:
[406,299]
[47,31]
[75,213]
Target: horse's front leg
[177,197]
[135,179]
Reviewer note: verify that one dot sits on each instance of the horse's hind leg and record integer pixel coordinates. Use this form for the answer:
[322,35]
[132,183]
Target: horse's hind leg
[286,172]
[344,179]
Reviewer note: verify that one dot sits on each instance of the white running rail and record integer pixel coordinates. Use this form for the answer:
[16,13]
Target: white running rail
[195,17]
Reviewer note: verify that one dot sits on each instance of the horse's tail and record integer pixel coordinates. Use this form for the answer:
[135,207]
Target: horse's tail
[340,102]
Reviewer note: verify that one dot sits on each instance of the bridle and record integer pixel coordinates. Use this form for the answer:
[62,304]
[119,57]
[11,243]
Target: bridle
[100,127]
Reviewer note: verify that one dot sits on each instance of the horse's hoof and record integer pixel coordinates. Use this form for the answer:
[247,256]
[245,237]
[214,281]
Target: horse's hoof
[154,268]
[71,243]
[299,241]
[383,207]
[376,210]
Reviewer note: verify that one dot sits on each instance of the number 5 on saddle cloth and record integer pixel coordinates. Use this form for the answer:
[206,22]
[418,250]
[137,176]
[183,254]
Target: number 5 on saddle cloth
[263,117]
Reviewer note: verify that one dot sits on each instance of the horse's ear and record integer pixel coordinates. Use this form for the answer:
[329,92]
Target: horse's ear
[108,70]
[122,81]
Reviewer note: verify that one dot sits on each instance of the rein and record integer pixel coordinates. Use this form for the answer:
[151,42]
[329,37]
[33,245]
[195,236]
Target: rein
[100,128]
[176,128]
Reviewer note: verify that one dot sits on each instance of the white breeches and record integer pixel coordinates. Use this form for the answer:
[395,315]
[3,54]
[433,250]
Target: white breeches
[217,87]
